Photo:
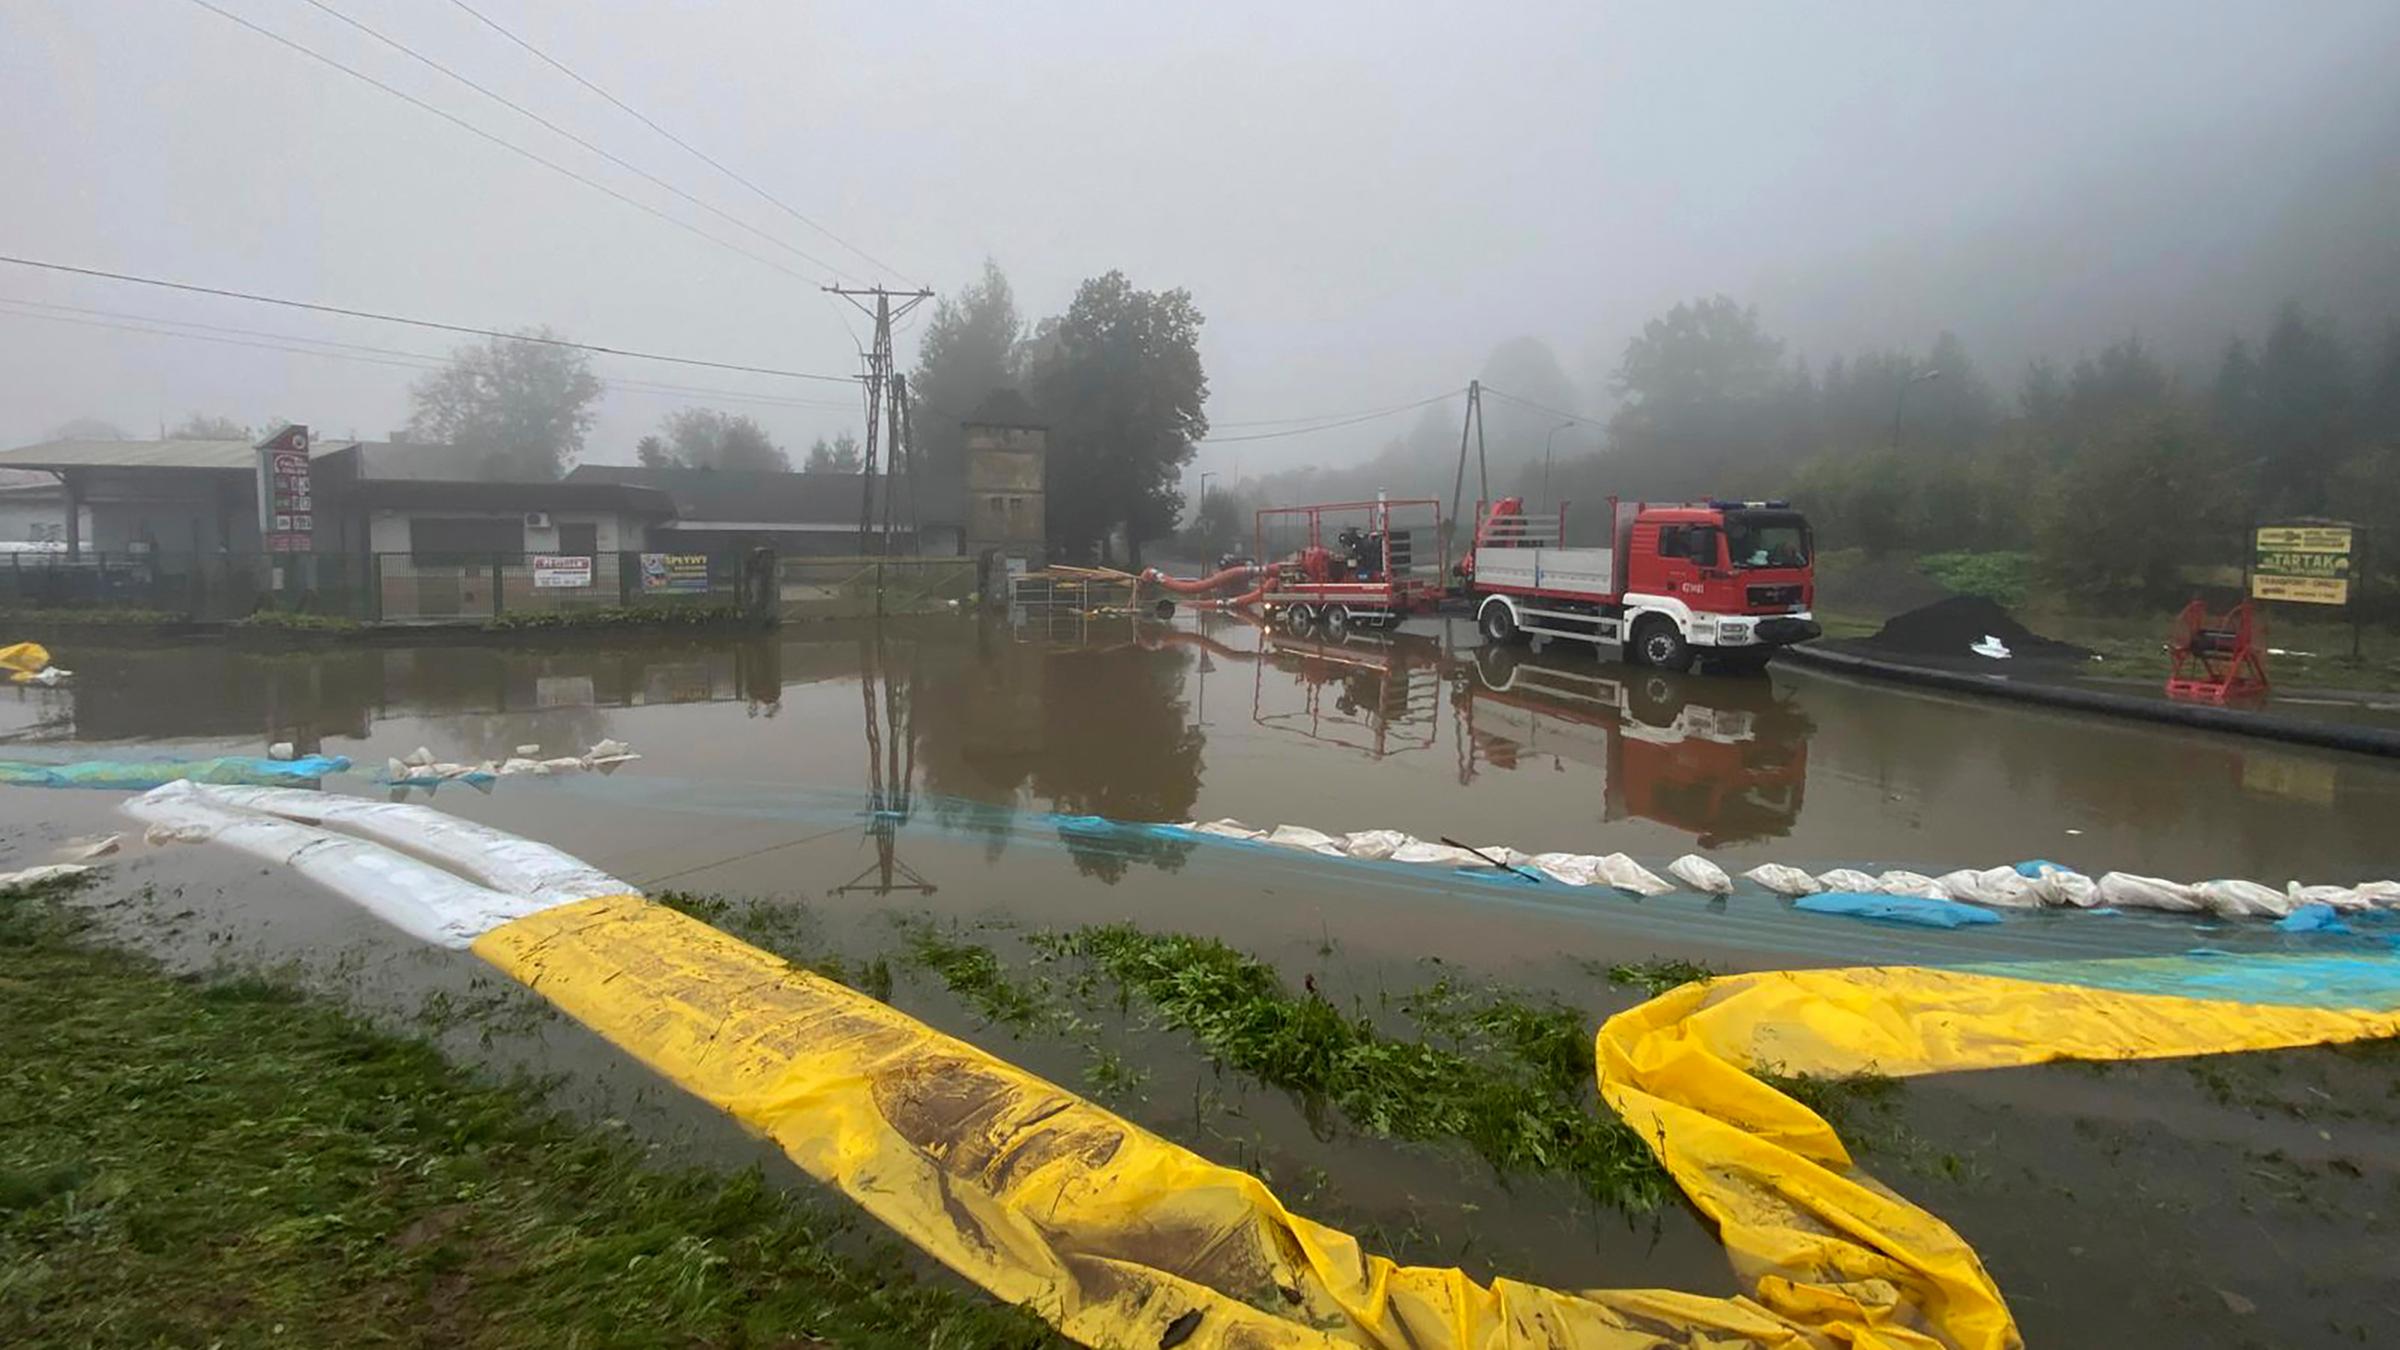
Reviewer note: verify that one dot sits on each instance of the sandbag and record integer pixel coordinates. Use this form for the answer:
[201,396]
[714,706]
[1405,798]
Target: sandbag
[2125,890]
[2000,887]
[1573,869]
[1228,828]
[1302,837]
[2236,899]
[1627,875]
[1846,879]
[1375,845]
[1903,882]
[1783,880]
[1701,875]
[2056,885]
[1427,854]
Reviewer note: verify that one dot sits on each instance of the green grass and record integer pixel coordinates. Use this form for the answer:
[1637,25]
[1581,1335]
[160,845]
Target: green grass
[1654,976]
[1511,1079]
[696,614]
[238,1164]
[80,615]
[292,621]
[2003,577]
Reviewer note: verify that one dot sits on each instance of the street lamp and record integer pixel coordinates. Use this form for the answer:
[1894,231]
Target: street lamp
[1547,443]
[1902,397]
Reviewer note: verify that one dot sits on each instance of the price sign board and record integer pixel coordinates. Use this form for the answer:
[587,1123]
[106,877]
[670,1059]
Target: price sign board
[287,499]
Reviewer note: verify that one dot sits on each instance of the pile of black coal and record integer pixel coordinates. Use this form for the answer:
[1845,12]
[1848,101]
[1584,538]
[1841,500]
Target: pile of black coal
[1950,627]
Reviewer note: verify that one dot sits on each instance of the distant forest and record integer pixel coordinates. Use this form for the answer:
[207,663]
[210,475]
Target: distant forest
[2118,474]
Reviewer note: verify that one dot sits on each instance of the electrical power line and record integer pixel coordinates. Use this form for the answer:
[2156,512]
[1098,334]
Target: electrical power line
[636,114]
[521,110]
[1311,417]
[510,146]
[348,351]
[1353,420]
[1586,418]
[314,307]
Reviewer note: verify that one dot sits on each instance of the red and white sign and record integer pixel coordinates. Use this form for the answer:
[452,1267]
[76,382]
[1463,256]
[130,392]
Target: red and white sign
[287,502]
[559,570]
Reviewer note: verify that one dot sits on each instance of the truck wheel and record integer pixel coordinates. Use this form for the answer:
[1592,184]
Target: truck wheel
[1337,619]
[1498,622]
[1658,644]
[1297,618]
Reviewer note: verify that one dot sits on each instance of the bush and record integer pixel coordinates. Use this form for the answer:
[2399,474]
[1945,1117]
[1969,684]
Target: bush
[2004,577]
[88,614]
[290,621]
[639,616]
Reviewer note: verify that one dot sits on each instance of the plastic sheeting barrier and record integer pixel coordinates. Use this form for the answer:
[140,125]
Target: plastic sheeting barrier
[142,775]
[1127,1241]
[1916,909]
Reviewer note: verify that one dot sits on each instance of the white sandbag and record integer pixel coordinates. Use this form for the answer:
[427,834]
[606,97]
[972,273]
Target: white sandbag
[511,767]
[1627,875]
[2125,890]
[2344,898]
[1228,828]
[1847,879]
[1783,880]
[1302,837]
[1903,882]
[2380,894]
[417,898]
[1570,869]
[529,752]
[607,764]
[1997,887]
[84,848]
[496,858]
[2236,899]
[563,764]
[1428,854]
[609,749]
[175,834]
[1701,875]
[1375,845]
[2064,887]
[419,757]
[280,750]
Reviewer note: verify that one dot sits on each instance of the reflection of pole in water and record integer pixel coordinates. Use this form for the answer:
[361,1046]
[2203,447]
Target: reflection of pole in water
[891,770]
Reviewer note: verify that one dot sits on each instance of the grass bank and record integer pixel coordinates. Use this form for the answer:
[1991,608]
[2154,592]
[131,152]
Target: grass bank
[233,1163]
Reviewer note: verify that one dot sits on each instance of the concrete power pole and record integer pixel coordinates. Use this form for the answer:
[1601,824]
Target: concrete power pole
[877,378]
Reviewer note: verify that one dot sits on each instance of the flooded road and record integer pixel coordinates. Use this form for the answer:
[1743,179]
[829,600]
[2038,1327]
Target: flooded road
[942,772]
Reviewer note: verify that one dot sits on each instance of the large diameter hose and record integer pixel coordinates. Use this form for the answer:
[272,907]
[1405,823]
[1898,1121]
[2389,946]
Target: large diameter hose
[1199,585]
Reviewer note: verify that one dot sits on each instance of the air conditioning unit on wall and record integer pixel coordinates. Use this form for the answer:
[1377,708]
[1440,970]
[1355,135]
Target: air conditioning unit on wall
[537,520]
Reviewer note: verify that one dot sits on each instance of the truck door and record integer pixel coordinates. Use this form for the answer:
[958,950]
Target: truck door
[1681,554]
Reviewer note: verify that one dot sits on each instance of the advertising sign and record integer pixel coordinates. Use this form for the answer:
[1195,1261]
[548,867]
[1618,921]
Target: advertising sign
[675,573]
[287,500]
[2303,564]
[551,571]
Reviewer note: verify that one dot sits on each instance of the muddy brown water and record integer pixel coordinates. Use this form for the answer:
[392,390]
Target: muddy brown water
[942,768]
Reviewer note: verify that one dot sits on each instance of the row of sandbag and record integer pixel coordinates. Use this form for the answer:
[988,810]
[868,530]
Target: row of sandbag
[2026,885]
[420,769]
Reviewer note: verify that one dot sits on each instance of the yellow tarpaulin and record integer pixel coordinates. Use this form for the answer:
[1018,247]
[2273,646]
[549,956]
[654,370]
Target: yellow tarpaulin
[24,660]
[1123,1239]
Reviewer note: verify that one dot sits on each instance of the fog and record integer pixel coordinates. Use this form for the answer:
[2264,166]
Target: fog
[1367,202]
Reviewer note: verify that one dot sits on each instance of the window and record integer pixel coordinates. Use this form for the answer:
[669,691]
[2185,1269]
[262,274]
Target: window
[1672,541]
[439,539]
[579,540]
[1762,540]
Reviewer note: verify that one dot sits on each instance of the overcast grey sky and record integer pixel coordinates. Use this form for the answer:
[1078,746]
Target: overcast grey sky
[1363,198]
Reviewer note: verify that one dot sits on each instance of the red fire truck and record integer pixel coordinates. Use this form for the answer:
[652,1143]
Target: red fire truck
[1727,582]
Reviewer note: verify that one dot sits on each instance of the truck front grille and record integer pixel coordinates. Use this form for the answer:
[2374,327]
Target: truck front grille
[1774,597]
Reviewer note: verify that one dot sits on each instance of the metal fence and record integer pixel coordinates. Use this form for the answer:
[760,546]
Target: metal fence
[858,588]
[395,588]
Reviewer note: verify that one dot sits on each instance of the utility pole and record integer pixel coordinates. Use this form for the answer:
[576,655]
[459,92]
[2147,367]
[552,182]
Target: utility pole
[877,376]
[1473,425]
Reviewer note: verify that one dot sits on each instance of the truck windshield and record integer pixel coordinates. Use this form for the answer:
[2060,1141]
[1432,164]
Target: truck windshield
[1754,540]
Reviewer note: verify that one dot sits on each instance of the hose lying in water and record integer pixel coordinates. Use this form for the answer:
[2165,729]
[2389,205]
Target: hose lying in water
[1127,1241]
[2027,885]
[1200,586]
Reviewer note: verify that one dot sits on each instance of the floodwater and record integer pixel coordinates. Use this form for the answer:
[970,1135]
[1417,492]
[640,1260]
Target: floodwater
[945,768]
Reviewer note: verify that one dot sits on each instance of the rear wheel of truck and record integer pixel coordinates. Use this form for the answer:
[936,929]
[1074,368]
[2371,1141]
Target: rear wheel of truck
[1497,621]
[1657,643]
[1337,619]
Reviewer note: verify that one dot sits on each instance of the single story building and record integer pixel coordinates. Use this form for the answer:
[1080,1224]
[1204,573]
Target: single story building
[731,511]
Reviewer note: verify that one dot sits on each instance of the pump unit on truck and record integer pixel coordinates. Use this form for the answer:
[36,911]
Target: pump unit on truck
[1722,582]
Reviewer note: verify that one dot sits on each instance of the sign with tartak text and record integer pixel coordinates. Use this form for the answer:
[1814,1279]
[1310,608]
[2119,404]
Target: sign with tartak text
[2302,564]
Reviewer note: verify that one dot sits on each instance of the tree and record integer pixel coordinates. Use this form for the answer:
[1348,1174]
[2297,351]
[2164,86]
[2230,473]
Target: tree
[2302,418]
[1120,378]
[1708,399]
[1701,351]
[2142,497]
[87,429]
[1221,525]
[972,346]
[703,438]
[839,455]
[207,427]
[529,403]
[651,453]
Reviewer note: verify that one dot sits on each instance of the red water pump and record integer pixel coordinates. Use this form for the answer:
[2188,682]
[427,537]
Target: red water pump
[2217,658]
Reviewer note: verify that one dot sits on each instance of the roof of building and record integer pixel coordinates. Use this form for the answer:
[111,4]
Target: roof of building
[744,496]
[167,454]
[427,494]
[1005,407]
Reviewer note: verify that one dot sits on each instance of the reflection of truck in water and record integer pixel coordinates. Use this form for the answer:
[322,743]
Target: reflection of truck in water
[1725,760]
[1726,582]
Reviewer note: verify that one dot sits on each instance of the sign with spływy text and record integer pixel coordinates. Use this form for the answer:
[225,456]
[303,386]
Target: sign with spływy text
[287,500]
[675,572]
[2303,564]
[557,570]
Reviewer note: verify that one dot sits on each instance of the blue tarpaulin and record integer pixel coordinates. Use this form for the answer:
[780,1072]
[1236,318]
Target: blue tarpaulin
[1914,909]
[142,775]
